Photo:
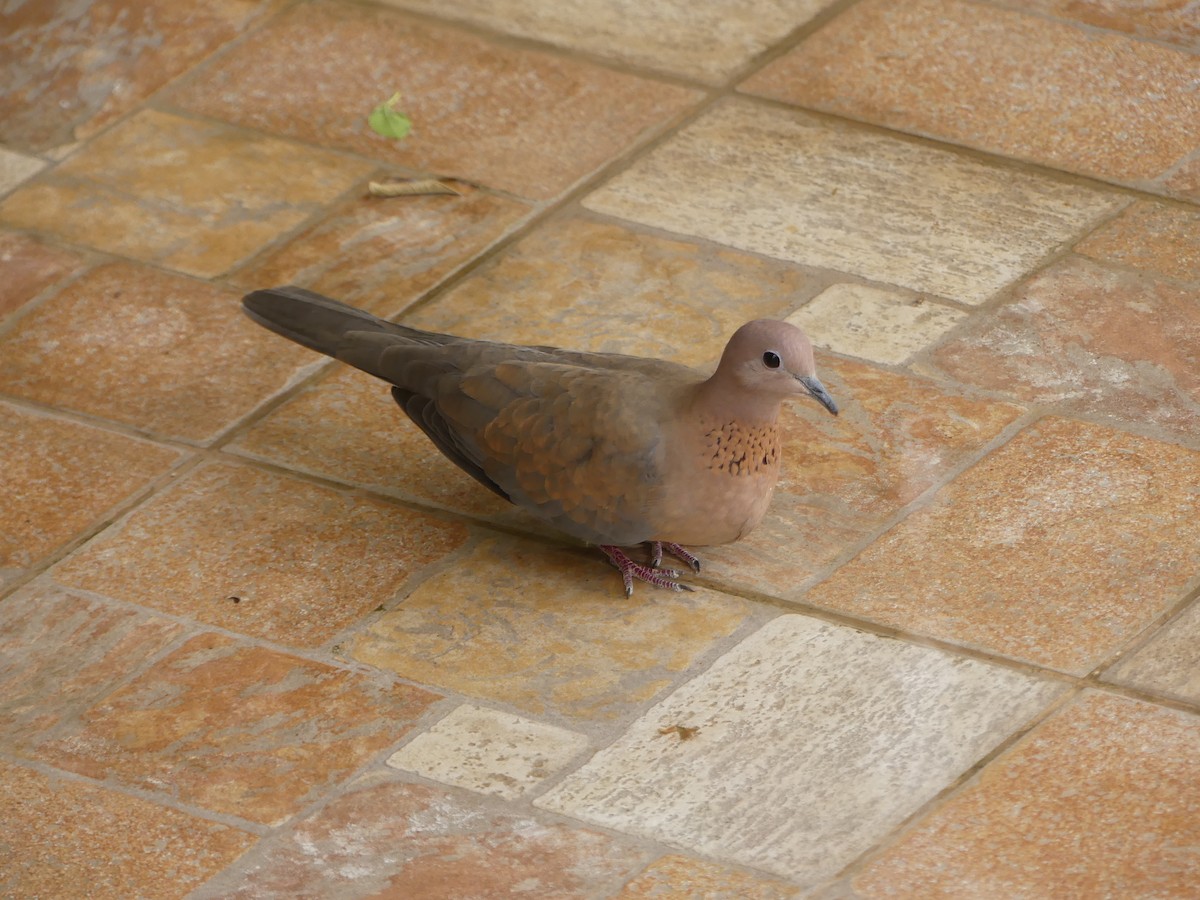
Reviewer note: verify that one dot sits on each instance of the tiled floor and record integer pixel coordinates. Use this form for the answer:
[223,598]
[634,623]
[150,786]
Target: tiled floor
[258,639]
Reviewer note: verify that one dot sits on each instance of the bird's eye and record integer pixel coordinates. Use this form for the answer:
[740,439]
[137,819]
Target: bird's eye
[771,359]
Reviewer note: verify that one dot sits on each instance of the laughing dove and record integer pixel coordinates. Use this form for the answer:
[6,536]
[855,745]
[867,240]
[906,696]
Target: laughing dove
[613,450]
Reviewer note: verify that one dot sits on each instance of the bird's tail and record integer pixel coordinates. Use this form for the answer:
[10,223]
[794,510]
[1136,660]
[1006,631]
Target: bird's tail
[310,319]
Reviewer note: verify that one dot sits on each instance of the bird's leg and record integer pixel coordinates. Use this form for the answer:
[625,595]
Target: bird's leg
[680,553]
[663,578]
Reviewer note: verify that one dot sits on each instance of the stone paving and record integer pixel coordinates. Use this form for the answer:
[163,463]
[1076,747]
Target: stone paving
[258,639]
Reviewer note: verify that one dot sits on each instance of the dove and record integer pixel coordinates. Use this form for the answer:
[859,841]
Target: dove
[616,451]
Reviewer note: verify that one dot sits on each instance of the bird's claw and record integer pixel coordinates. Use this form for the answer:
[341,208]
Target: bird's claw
[651,574]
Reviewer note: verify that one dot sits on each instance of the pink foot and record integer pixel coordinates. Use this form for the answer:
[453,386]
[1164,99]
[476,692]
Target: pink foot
[656,554]
[663,578]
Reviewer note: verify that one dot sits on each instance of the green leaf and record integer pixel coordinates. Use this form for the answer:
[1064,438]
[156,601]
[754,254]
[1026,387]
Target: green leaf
[388,121]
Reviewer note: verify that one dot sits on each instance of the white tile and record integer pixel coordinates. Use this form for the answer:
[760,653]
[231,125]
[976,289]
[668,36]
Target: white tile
[792,186]
[882,326]
[16,167]
[812,742]
[1169,663]
[489,751]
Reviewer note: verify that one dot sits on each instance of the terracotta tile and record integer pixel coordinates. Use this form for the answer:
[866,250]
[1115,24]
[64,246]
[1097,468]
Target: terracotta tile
[66,838]
[58,478]
[383,838]
[383,254]
[1099,801]
[1099,104]
[489,751]
[162,353]
[61,653]
[238,730]
[522,121]
[1174,21]
[517,622]
[828,194]
[1091,338]
[194,196]
[1151,236]
[1057,548]
[882,326]
[66,72]
[843,478]
[671,36]
[302,561]
[16,167]
[1169,664]
[599,286]
[30,267]
[348,427]
[881,727]
[1185,180]
[682,878]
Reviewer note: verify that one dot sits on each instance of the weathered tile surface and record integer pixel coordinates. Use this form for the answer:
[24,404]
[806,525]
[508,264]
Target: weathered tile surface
[30,266]
[489,751]
[832,195]
[1174,21]
[880,727]
[67,70]
[682,878]
[1101,104]
[261,554]
[519,120]
[1151,236]
[1094,338]
[61,653]
[67,838]
[1099,801]
[262,733]
[381,254]
[194,196]
[1057,548]
[547,631]
[882,326]
[388,839]
[162,353]
[670,36]
[16,168]
[57,478]
[1169,664]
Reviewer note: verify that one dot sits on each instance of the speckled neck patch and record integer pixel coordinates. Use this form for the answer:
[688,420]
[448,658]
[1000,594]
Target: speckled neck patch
[739,450]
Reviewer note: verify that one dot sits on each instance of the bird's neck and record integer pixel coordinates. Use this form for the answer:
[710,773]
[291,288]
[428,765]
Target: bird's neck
[724,400]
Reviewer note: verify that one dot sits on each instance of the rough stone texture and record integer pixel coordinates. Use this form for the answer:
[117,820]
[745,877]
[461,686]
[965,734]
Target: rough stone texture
[832,195]
[522,121]
[1057,548]
[1169,664]
[1173,21]
[58,478]
[683,878]
[1100,104]
[263,733]
[672,36]
[30,267]
[261,554]
[387,839]
[879,733]
[76,837]
[193,196]
[1152,236]
[16,168]
[1042,822]
[489,751]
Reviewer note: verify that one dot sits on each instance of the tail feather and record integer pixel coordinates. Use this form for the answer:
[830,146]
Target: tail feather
[310,319]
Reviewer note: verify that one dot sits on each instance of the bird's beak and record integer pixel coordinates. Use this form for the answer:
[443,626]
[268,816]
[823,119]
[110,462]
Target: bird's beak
[813,385]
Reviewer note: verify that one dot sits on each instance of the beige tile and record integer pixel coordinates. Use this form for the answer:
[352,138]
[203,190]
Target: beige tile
[547,631]
[709,41]
[792,186]
[382,254]
[1057,548]
[1099,801]
[261,554]
[1100,104]
[1173,21]
[382,838]
[16,168]
[811,742]
[489,751]
[30,267]
[67,838]
[522,121]
[881,326]
[682,878]
[1153,236]
[58,478]
[237,729]
[162,353]
[190,195]
[1169,664]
